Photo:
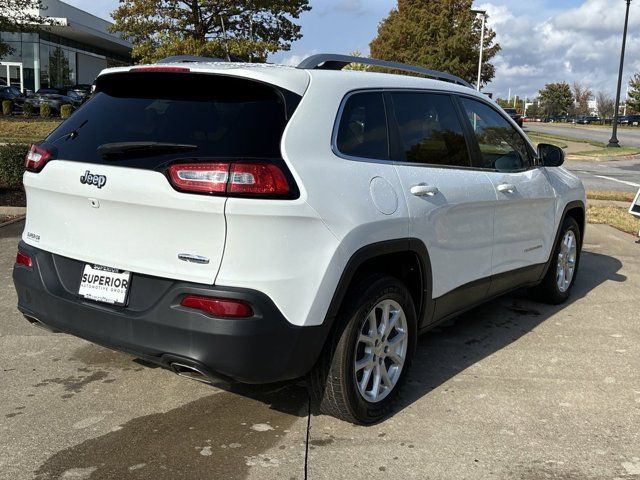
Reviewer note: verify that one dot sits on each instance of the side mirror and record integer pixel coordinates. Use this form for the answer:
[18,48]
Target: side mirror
[550,155]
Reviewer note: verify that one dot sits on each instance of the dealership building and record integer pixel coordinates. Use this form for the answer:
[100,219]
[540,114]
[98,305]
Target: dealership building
[70,50]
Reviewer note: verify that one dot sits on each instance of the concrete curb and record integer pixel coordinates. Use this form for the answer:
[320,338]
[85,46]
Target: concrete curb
[11,222]
[13,210]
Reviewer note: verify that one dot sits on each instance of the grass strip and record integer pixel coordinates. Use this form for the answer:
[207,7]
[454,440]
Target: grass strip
[617,217]
[610,195]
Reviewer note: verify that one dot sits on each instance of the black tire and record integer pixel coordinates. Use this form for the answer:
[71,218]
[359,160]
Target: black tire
[548,290]
[333,386]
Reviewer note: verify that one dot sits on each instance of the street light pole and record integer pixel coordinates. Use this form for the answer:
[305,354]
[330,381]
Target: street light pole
[614,136]
[484,17]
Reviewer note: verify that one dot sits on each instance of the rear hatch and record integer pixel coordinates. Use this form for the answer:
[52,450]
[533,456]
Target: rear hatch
[107,195]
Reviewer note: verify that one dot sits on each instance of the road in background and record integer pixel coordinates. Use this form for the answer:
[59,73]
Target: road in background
[622,174]
[629,137]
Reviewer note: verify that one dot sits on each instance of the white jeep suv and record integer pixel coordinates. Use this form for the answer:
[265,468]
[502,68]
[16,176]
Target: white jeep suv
[265,223]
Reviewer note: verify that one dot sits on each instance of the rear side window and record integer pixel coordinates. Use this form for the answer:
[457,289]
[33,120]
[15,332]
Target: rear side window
[223,117]
[363,127]
[430,129]
[501,146]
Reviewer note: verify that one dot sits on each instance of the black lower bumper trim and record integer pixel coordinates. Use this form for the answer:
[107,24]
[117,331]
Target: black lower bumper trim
[261,349]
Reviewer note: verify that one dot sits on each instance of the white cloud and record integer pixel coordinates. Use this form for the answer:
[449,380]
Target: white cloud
[578,44]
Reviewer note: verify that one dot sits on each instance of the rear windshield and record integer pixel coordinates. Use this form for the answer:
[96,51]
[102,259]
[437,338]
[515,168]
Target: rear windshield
[220,116]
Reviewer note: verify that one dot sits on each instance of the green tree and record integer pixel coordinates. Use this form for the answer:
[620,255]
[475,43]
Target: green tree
[581,96]
[18,16]
[59,69]
[534,110]
[437,34]
[245,29]
[633,99]
[556,98]
[357,66]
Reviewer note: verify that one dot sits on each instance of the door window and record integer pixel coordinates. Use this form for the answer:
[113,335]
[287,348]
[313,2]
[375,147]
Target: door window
[430,129]
[363,127]
[502,148]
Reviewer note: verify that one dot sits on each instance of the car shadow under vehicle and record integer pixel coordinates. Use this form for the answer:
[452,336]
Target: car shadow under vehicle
[456,345]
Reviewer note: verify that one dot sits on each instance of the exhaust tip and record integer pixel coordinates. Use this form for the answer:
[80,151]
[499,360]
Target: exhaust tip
[37,323]
[191,372]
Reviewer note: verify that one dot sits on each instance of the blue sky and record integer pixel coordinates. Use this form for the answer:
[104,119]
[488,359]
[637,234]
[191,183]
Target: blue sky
[542,40]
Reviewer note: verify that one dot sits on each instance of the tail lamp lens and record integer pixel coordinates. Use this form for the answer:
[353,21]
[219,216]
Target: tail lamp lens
[200,177]
[23,259]
[258,179]
[36,158]
[218,307]
[239,178]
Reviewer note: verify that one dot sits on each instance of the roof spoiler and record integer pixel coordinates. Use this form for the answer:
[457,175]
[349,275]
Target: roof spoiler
[329,61]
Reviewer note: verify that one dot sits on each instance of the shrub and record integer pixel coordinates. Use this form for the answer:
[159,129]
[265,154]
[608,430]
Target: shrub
[27,109]
[45,110]
[12,164]
[66,110]
[7,107]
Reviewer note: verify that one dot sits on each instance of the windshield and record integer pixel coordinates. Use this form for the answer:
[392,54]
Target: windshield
[221,116]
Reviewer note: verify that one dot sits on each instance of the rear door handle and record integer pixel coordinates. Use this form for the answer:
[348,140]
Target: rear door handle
[423,190]
[507,188]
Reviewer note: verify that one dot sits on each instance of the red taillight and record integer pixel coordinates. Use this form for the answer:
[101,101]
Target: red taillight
[257,179]
[218,307]
[36,158]
[238,178]
[161,69]
[23,259]
[200,177]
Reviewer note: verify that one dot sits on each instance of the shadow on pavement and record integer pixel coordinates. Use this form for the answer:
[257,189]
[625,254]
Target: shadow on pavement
[452,348]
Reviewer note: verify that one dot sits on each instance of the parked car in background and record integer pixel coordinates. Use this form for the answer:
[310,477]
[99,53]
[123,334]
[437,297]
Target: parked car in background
[55,98]
[587,120]
[629,120]
[513,113]
[557,118]
[14,94]
[83,90]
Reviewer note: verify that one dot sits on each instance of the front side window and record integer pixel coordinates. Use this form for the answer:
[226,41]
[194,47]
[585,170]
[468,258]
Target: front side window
[430,130]
[501,147]
[363,127]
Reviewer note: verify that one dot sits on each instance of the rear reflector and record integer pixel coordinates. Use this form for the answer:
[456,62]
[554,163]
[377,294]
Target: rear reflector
[161,69]
[23,259]
[218,307]
[36,158]
[238,178]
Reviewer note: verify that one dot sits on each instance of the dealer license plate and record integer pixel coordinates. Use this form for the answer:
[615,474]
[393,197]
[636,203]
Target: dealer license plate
[105,284]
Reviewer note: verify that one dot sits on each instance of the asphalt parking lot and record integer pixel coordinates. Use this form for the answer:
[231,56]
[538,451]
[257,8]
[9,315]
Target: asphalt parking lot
[616,173]
[511,390]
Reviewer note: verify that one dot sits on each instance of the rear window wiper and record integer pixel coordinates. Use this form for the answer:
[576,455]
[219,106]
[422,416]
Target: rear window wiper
[132,149]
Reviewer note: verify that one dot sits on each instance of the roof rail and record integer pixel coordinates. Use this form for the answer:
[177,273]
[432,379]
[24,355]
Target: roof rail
[329,61]
[189,58]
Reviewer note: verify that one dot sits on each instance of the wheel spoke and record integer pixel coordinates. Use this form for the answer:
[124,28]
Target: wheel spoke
[364,381]
[393,342]
[373,328]
[366,339]
[396,358]
[365,361]
[392,323]
[375,388]
[384,374]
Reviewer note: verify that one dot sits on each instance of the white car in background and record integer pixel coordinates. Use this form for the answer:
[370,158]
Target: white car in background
[266,223]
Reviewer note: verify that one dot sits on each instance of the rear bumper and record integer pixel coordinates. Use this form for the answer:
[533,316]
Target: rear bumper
[261,349]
